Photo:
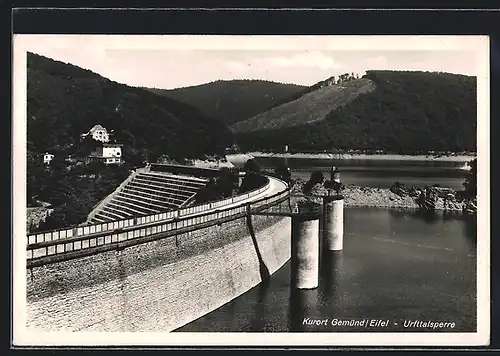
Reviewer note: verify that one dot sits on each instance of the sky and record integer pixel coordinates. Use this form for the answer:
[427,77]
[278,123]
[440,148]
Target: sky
[169,62]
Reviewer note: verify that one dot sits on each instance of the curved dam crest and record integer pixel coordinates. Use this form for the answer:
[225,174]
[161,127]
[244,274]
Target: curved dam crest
[157,286]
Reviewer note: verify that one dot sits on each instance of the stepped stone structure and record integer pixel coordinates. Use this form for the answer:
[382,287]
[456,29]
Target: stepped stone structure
[149,193]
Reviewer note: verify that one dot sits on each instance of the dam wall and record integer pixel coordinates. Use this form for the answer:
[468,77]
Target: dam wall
[160,285]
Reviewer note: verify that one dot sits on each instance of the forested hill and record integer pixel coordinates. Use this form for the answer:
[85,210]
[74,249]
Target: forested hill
[403,112]
[234,100]
[312,106]
[65,101]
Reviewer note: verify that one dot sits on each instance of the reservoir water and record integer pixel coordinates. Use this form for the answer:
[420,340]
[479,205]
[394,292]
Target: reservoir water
[397,267]
[377,173]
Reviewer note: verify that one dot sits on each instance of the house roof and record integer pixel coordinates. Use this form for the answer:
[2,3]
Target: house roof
[97,127]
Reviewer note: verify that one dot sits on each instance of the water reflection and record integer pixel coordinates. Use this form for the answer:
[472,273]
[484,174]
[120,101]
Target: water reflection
[257,321]
[366,164]
[330,267]
[330,280]
[400,213]
[380,174]
[452,215]
[410,271]
[429,217]
[303,303]
[470,231]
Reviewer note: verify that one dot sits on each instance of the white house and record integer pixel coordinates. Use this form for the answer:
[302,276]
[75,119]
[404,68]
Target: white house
[108,153]
[98,133]
[47,157]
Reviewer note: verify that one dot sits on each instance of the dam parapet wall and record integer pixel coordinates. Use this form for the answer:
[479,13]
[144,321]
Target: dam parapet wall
[50,246]
[160,285]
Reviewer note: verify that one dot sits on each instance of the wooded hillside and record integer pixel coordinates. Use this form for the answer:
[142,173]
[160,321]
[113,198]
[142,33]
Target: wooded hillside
[408,112]
[230,101]
[65,101]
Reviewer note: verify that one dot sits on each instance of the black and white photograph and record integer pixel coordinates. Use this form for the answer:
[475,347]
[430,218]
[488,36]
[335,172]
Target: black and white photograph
[231,190]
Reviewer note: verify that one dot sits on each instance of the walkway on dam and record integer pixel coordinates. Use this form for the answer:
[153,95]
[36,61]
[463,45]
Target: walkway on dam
[275,186]
[53,246]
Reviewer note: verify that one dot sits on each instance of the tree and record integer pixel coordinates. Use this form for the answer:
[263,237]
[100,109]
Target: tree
[283,172]
[316,178]
[233,149]
[251,166]
[37,177]
[226,182]
[253,179]
[136,159]
[208,192]
[58,165]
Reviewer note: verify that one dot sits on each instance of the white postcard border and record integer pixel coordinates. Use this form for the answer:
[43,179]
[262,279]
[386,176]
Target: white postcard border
[24,337]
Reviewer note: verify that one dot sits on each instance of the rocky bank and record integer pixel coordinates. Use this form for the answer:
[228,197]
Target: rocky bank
[397,197]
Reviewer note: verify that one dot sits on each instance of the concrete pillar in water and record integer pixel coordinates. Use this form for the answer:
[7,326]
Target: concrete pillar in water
[305,250]
[321,228]
[333,225]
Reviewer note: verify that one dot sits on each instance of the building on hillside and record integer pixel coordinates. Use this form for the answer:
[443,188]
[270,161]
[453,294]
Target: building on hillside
[98,133]
[71,159]
[108,153]
[47,157]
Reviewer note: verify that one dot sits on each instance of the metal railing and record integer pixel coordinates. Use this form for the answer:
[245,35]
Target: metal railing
[59,234]
[121,234]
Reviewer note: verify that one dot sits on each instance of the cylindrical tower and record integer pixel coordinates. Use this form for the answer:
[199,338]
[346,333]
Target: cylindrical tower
[333,226]
[305,250]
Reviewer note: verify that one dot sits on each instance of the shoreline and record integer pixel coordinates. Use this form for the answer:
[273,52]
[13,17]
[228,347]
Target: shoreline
[384,198]
[364,156]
